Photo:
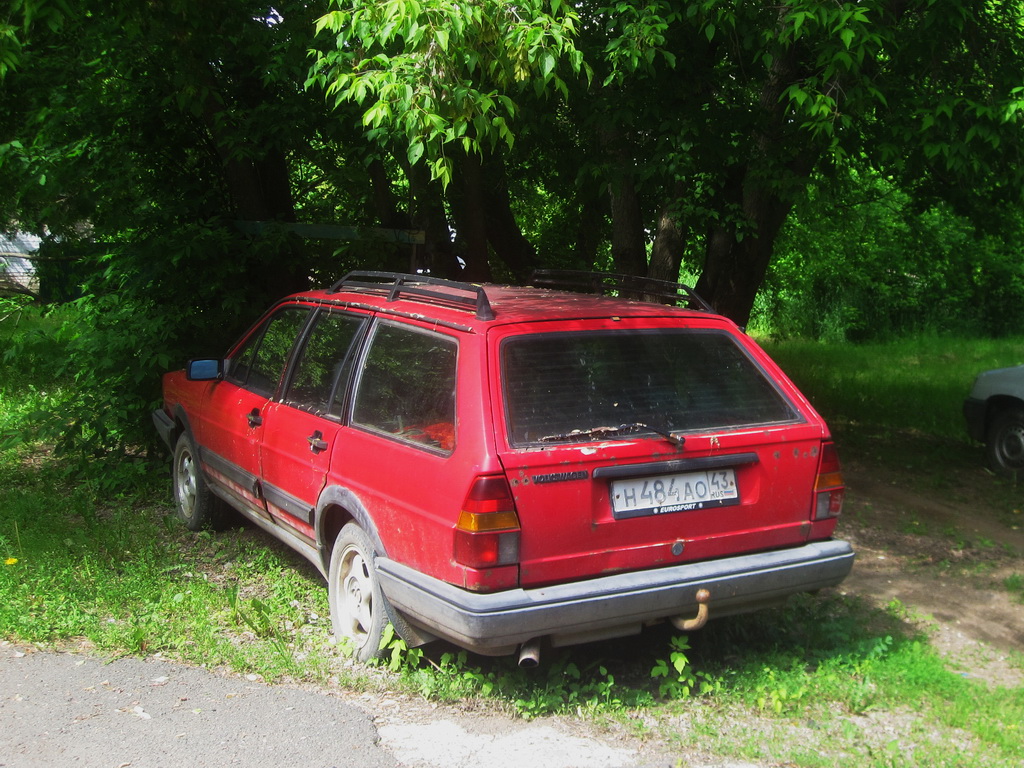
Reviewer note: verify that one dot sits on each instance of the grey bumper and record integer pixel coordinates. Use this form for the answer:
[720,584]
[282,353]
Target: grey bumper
[495,623]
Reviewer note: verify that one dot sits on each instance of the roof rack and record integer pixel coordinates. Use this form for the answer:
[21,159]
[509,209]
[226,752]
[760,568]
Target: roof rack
[627,286]
[397,284]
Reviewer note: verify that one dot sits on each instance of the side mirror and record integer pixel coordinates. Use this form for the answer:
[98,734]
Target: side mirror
[204,370]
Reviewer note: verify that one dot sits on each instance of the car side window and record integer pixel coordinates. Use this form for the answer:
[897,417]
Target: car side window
[407,386]
[324,360]
[259,363]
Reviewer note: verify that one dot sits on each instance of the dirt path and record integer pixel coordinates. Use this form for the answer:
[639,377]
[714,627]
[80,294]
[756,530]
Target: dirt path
[945,560]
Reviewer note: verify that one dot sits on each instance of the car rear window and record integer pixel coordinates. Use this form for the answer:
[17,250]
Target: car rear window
[560,384]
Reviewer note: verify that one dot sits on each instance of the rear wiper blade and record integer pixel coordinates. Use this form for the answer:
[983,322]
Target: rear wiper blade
[608,431]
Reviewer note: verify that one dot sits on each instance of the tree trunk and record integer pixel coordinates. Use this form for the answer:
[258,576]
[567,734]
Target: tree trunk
[466,198]
[764,188]
[485,222]
[590,226]
[437,254]
[734,267]
[259,189]
[667,251]
[503,232]
[629,244]
[629,247]
[387,210]
[385,206]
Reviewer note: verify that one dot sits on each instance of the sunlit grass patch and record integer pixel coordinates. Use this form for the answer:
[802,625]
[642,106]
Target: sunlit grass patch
[121,576]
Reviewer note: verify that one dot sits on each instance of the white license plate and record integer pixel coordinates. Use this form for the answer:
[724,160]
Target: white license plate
[674,493]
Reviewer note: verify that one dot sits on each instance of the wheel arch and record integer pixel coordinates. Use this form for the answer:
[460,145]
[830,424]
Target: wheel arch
[337,507]
[997,404]
[182,424]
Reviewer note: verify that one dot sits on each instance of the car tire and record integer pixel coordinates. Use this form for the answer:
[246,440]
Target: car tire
[195,504]
[359,610]
[1004,441]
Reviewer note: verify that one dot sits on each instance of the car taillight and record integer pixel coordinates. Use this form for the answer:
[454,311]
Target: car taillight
[487,534]
[829,487]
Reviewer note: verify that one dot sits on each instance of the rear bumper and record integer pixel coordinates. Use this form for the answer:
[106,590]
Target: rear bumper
[621,604]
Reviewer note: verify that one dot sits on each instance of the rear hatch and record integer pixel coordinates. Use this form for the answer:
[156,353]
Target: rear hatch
[635,443]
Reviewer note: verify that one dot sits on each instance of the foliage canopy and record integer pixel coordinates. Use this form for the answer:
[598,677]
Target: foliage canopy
[822,163]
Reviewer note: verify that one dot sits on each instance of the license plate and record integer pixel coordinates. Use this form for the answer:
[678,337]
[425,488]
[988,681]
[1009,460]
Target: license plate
[674,493]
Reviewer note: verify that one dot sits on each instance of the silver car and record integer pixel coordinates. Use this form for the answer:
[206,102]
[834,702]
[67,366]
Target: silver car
[995,416]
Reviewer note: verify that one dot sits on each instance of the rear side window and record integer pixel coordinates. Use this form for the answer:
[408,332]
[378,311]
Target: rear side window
[258,364]
[558,384]
[407,386]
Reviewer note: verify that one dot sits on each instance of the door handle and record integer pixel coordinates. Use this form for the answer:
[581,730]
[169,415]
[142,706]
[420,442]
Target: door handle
[316,441]
[254,418]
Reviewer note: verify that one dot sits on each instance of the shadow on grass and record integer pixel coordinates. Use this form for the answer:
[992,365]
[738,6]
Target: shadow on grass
[811,636]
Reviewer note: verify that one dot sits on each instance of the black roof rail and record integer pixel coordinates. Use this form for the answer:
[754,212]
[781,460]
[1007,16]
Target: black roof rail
[628,286]
[398,284]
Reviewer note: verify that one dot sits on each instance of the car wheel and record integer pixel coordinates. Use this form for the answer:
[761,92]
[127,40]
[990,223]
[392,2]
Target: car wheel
[1005,441]
[196,505]
[359,610]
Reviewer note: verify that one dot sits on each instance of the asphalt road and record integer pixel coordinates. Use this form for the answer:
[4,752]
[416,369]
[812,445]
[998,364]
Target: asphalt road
[64,709]
[70,710]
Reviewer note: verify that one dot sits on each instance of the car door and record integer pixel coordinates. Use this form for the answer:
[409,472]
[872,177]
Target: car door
[233,417]
[300,431]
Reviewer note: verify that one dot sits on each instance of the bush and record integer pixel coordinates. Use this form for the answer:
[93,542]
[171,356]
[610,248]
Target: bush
[859,261]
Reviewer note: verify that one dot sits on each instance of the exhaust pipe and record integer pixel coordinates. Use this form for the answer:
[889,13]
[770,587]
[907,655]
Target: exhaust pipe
[529,654]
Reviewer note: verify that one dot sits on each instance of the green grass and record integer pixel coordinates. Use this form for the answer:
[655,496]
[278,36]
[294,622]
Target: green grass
[122,576]
[898,407]
[826,681]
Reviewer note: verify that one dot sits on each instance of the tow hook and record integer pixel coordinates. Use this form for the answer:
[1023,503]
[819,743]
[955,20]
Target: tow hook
[689,625]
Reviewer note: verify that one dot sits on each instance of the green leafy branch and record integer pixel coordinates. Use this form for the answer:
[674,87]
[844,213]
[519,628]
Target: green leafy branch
[437,74]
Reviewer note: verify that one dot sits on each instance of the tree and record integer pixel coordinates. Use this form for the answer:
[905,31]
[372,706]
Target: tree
[710,115]
[860,259]
[446,80]
[642,137]
[136,139]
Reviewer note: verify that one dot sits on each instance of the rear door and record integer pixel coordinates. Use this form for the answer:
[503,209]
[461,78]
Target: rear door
[630,445]
[302,429]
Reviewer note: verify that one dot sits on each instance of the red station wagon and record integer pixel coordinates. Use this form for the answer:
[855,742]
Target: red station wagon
[504,466]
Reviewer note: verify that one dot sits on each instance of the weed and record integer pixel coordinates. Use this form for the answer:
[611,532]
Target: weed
[1014,583]
[777,696]
[399,653]
[262,623]
[559,687]
[679,679]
